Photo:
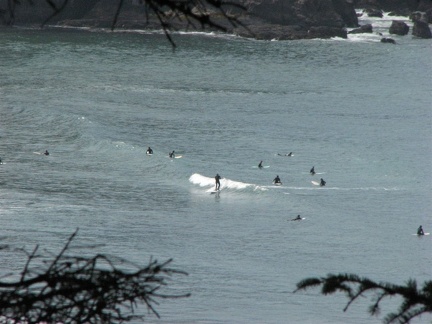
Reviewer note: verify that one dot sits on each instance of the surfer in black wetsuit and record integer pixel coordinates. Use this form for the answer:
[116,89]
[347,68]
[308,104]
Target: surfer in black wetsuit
[277,180]
[312,171]
[217,179]
[260,165]
[420,231]
[149,150]
[297,218]
[172,154]
[322,182]
[46,152]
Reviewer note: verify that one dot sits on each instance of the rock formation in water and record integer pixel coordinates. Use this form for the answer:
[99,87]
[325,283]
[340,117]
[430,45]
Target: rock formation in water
[265,19]
[399,28]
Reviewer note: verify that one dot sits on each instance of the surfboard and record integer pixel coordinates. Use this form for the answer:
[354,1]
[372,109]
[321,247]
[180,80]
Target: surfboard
[178,156]
[422,235]
[316,183]
[296,219]
[38,153]
[278,184]
[263,167]
[149,153]
[215,192]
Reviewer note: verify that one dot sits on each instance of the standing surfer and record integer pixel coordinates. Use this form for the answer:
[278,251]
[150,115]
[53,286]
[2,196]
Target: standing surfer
[217,179]
[312,171]
[322,182]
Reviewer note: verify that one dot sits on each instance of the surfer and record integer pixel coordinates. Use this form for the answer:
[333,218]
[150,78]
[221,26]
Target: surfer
[217,179]
[312,171]
[277,180]
[290,154]
[172,154]
[46,152]
[297,218]
[149,150]
[322,182]
[420,231]
[259,165]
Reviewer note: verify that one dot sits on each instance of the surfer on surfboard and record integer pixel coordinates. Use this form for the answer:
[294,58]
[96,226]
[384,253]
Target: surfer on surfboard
[277,180]
[46,152]
[297,218]
[149,150]
[217,180]
[289,154]
[172,154]
[260,165]
[322,182]
[420,231]
[312,171]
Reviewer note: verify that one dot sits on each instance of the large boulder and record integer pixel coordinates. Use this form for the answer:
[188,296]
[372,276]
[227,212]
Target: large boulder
[421,26]
[421,30]
[363,29]
[399,27]
[330,13]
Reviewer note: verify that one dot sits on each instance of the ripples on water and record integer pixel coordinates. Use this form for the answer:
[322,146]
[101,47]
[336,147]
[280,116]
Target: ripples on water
[96,101]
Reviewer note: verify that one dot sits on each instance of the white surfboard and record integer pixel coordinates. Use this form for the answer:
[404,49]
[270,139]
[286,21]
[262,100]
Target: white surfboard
[215,192]
[38,153]
[422,235]
[178,156]
[316,183]
[149,153]
[263,167]
[278,184]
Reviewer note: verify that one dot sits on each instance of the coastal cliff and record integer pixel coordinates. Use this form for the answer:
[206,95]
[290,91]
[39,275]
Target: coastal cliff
[263,19]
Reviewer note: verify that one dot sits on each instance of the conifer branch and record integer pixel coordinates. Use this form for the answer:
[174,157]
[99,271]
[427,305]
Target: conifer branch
[415,302]
[77,289]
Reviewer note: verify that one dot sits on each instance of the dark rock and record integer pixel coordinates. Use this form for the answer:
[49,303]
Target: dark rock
[374,12]
[388,40]
[399,28]
[363,29]
[421,29]
[326,32]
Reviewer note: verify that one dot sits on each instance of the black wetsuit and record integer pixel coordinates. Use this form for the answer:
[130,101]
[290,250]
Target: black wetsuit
[217,178]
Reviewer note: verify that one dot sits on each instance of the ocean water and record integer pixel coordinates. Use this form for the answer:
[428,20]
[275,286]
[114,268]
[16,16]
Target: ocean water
[357,110]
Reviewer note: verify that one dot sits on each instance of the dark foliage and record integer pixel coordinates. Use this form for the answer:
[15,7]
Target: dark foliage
[194,13]
[78,289]
[415,301]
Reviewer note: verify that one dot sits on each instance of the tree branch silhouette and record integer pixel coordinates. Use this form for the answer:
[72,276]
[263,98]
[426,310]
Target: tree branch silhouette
[415,301]
[194,13]
[78,289]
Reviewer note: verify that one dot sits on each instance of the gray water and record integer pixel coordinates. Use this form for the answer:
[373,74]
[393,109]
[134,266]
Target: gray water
[356,109]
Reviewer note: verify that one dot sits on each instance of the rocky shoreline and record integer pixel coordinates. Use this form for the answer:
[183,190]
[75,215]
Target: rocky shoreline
[263,19]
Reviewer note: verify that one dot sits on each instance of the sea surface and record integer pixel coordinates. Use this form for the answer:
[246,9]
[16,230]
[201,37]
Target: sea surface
[357,110]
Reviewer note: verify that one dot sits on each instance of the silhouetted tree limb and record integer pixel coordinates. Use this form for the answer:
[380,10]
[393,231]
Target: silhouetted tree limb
[415,302]
[194,13]
[78,289]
